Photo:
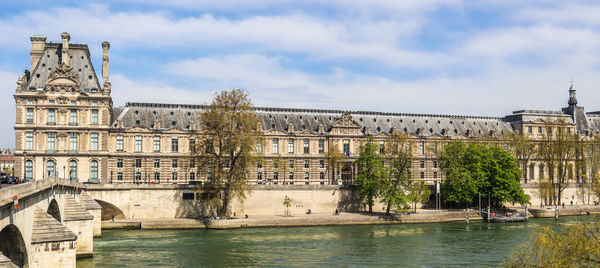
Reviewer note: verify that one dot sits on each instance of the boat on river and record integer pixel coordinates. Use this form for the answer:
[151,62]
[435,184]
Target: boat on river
[504,216]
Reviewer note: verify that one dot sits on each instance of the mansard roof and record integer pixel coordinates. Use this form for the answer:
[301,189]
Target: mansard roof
[79,61]
[296,121]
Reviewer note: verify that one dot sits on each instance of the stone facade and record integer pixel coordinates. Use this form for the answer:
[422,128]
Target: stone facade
[67,127]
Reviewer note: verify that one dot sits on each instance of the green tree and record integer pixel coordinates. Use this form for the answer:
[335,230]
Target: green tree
[333,156]
[287,202]
[591,165]
[417,192]
[474,168]
[371,171]
[575,245]
[399,159]
[225,152]
[558,151]
[523,148]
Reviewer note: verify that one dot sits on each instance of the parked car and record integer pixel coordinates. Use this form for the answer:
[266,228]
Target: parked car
[4,178]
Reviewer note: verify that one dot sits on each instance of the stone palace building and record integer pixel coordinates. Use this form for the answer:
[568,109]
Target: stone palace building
[67,126]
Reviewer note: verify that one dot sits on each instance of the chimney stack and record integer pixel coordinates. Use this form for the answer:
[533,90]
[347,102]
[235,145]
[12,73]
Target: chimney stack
[65,48]
[38,44]
[105,47]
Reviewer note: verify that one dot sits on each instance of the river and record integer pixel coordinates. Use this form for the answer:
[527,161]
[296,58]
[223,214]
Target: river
[407,245]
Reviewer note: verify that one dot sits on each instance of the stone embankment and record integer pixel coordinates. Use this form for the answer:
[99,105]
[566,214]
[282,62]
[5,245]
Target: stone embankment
[344,218]
[549,212]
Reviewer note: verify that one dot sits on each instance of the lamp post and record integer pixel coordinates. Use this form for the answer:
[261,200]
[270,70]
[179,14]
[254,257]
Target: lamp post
[43,164]
[64,173]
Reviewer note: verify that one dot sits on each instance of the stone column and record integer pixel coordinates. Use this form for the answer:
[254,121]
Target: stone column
[80,222]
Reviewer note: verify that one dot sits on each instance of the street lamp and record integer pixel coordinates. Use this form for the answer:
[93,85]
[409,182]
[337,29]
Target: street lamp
[43,163]
[24,165]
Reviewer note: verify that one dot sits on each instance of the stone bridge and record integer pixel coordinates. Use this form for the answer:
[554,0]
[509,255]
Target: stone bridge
[55,222]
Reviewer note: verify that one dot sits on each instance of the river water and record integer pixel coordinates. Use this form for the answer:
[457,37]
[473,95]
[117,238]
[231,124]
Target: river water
[407,245]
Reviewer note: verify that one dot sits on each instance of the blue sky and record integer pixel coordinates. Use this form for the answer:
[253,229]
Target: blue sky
[414,56]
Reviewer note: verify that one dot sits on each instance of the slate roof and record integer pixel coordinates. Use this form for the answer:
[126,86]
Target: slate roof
[185,117]
[79,61]
[74,211]
[48,229]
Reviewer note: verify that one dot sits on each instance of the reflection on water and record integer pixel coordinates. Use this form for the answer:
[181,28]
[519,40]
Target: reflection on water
[431,245]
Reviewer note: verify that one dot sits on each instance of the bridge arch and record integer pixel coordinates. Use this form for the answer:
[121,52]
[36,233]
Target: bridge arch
[109,210]
[54,210]
[13,246]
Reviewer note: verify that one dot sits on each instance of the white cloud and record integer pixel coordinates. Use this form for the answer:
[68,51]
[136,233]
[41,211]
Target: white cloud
[8,85]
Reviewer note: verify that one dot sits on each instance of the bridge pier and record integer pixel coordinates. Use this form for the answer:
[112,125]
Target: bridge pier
[93,208]
[79,221]
[52,244]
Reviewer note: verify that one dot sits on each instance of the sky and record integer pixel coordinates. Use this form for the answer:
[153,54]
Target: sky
[474,57]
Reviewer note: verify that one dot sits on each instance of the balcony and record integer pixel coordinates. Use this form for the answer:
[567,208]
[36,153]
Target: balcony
[51,123]
[72,151]
[73,124]
[50,151]
[30,121]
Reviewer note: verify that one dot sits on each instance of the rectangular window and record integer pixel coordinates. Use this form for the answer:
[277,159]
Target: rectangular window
[322,175]
[530,129]
[119,143]
[51,139]
[73,142]
[306,163]
[192,163]
[434,163]
[51,116]
[291,176]
[275,164]
[192,176]
[73,118]
[306,146]
[321,163]
[174,144]
[192,145]
[306,175]
[291,146]
[156,163]
[435,174]
[156,144]
[347,147]
[422,175]
[539,130]
[138,143]
[421,148]
[259,176]
[174,165]
[138,162]
[209,175]
[434,147]
[422,164]
[259,147]
[138,176]
[291,163]
[321,146]
[157,176]
[258,164]
[381,147]
[119,163]
[275,146]
[175,175]
[119,176]
[29,141]
[29,115]
[275,175]
[94,146]
[532,172]
[94,116]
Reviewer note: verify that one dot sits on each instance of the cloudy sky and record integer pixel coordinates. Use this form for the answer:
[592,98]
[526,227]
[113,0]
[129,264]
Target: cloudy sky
[415,56]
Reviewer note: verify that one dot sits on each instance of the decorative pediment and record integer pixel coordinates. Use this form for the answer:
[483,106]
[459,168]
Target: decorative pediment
[63,79]
[345,121]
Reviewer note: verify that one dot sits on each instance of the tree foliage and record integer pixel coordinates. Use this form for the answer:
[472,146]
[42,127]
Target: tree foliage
[399,159]
[575,245]
[417,192]
[474,168]
[225,152]
[371,171]
[333,157]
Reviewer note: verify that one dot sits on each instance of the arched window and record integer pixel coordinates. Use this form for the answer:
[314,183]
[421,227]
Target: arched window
[73,170]
[29,170]
[94,170]
[50,168]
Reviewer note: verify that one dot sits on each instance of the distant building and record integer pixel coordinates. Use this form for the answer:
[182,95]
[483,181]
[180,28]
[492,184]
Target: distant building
[7,161]
[66,126]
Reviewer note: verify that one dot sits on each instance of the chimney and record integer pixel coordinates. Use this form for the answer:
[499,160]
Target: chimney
[65,48]
[38,43]
[105,47]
